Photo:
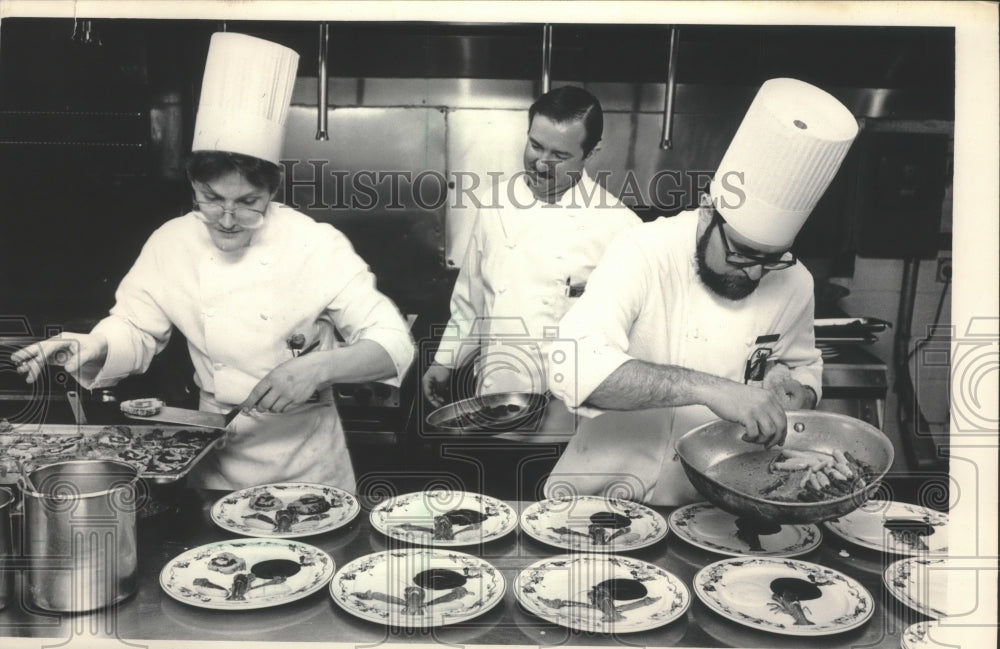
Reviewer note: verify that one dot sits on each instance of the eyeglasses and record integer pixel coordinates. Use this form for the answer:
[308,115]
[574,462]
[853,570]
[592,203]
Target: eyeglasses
[246,217]
[742,260]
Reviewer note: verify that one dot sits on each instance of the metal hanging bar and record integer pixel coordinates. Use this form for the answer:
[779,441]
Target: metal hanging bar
[666,139]
[546,58]
[324,45]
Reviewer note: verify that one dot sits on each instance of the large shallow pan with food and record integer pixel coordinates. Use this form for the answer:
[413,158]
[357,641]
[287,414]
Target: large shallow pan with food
[502,412]
[746,480]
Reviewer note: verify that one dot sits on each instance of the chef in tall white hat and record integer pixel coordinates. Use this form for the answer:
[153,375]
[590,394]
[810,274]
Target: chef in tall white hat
[251,284]
[703,315]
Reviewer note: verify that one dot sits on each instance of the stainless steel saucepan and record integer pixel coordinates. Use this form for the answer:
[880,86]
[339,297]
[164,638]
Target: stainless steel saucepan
[489,414]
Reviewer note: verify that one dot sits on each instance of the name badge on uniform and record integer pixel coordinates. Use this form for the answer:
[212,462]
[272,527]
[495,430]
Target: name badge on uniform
[757,364]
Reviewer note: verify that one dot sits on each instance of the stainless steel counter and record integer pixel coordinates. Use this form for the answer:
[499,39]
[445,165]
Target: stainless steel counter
[152,615]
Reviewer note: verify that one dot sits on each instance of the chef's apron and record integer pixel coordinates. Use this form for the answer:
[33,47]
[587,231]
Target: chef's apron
[631,454]
[247,317]
[305,445]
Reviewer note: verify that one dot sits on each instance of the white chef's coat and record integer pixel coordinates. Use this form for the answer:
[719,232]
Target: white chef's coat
[645,301]
[237,309]
[523,258]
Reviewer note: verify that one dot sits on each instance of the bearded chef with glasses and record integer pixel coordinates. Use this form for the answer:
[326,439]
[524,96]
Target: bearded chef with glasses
[703,315]
[248,282]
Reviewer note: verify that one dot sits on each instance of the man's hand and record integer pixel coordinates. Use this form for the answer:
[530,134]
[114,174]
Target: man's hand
[288,385]
[791,394]
[70,350]
[437,384]
[758,410]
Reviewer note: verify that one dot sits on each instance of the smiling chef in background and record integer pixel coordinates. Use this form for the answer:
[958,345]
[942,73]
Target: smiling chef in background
[240,276]
[703,315]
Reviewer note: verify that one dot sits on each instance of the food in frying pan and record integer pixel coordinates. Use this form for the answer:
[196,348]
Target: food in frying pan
[141,407]
[793,475]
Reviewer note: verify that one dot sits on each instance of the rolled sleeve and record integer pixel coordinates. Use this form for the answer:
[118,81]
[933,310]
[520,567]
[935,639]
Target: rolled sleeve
[594,333]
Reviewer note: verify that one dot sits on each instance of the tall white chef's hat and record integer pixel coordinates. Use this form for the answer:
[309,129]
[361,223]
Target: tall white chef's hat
[781,160]
[245,95]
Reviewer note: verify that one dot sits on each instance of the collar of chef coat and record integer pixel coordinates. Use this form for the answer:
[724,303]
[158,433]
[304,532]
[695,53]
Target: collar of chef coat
[571,198]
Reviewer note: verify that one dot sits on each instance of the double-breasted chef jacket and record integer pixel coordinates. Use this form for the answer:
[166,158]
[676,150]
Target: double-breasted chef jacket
[237,310]
[526,263]
[645,301]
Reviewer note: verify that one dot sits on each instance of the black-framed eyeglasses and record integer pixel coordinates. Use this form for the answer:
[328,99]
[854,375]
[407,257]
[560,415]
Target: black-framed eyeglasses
[246,217]
[743,260]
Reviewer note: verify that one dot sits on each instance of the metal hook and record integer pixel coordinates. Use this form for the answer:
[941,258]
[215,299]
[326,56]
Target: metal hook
[546,57]
[324,44]
[666,141]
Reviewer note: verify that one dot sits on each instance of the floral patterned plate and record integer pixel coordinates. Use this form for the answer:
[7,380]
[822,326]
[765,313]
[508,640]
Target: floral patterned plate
[935,587]
[285,510]
[246,574]
[706,526]
[417,588]
[935,635]
[444,518]
[785,596]
[601,593]
[894,527]
[593,524]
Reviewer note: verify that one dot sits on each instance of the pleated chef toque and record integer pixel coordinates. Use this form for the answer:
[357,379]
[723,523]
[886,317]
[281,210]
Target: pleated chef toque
[245,95]
[788,149]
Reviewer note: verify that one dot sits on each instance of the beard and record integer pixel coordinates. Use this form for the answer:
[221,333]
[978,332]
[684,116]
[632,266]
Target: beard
[731,287]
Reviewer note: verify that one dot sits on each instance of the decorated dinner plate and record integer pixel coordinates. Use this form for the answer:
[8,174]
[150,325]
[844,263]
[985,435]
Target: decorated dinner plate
[894,528]
[285,510]
[601,593]
[444,518]
[417,588]
[935,635]
[785,596]
[936,587]
[246,574]
[593,524]
[706,526]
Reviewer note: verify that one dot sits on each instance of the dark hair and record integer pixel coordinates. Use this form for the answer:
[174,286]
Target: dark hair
[206,166]
[569,104]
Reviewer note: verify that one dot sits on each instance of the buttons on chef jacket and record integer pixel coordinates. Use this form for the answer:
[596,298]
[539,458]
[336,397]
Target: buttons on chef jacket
[217,366]
[502,288]
[208,313]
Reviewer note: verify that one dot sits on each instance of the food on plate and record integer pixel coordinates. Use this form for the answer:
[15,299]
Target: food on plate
[447,525]
[309,504]
[227,563]
[265,501]
[794,475]
[141,407]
